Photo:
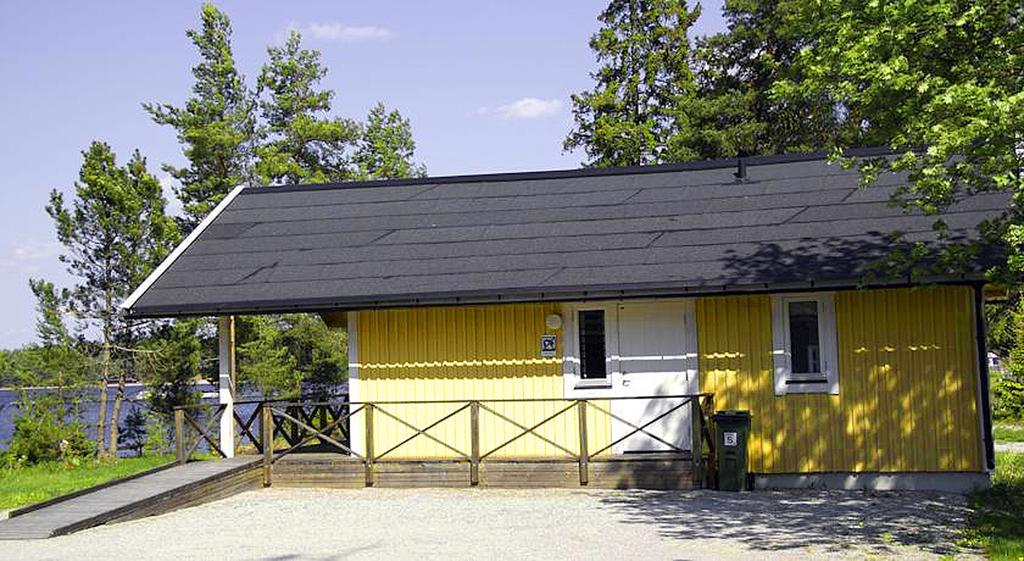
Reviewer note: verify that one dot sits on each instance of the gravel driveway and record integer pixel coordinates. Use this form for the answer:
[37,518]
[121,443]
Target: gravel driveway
[485,524]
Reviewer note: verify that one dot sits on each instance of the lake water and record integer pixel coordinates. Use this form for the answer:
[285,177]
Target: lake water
[135,393]
[90,407]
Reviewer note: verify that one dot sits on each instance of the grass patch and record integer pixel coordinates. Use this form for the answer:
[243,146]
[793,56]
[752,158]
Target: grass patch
[1004,432]
[998,521]
[25,485]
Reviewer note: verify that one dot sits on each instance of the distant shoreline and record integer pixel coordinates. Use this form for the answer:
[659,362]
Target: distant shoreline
[128,385]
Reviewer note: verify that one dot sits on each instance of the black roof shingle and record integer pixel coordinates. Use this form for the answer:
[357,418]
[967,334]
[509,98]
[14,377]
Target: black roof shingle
[679,229]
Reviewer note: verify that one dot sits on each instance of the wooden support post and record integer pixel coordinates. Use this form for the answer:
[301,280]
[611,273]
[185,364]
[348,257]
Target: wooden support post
[368,409]
[697,441]
[179,436]
[226,379]
[581,406]
[474,454]
[267,440]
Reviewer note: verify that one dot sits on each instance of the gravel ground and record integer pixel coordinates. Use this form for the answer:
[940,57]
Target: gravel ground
[425,524]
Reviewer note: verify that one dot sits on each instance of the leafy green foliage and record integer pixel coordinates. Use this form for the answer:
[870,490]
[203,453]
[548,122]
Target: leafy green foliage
[302,144]
[1008,433]
[997,524]
[643,82]
[133,430]
[159,435]
[114,232]
[175,355]
[1000,319]
[46,430]
[216,125]
[1008,398]
[264,360]
[386,147]
[941,82]
[320,353]
[1008,388]
[733,112]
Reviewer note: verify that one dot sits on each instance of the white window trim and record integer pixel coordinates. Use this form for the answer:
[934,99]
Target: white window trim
[785,382]
[574,385]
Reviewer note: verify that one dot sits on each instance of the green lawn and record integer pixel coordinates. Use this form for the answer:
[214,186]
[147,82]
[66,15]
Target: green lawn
[1005,432]
[998,523]
[26,485]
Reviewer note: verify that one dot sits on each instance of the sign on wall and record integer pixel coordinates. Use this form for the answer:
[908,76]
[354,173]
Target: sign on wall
[548,345]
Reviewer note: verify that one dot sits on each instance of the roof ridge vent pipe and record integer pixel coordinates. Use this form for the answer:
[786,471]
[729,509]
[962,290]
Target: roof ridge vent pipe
[741,170]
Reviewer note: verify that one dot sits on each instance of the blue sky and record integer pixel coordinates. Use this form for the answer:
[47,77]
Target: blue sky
[485,84]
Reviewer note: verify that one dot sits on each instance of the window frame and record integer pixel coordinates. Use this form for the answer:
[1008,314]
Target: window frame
[575,386]
[786,382]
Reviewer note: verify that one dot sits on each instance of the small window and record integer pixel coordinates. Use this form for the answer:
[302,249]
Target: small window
[804,334]
[804,339]
[592,353]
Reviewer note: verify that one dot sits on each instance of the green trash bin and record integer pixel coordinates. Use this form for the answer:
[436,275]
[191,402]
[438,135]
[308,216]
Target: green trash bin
[731,433]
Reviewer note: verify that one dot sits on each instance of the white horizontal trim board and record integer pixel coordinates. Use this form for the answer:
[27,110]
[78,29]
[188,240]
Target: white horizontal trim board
[192,237]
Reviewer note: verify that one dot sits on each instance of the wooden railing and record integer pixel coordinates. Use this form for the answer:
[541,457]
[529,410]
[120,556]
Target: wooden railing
[198,424]
[286,427]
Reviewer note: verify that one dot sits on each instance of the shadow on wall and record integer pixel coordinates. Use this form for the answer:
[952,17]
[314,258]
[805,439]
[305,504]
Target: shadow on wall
[833,521]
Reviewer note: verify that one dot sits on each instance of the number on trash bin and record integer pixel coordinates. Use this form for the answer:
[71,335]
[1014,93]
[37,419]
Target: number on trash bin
[730,439]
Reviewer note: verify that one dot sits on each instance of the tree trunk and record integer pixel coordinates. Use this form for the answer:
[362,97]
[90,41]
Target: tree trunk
[115,415]
[101,425]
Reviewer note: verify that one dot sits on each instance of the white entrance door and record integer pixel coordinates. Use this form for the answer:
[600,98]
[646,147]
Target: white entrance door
[657,356]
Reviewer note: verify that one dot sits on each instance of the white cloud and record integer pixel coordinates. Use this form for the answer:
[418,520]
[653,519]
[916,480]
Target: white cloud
[28,256]
[525,108]
[338,32]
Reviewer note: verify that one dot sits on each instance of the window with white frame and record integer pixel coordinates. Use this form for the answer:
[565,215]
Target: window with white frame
[805,348]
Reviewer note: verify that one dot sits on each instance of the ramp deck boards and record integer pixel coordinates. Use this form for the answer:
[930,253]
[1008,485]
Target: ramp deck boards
[156,493]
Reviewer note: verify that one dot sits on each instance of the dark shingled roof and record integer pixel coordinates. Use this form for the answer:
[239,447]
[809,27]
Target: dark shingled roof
[792,222]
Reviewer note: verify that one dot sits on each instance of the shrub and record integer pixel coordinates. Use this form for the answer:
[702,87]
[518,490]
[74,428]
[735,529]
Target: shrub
[1007,398]
[133,431]
[158,431]
[43,434]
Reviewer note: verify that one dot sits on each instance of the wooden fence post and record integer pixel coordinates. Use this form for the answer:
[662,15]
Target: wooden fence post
[584,451]
[474,428]
[179,435]
[267,440]
[368,408]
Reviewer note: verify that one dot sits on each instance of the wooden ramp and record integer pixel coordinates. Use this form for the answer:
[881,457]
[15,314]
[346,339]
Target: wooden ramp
[155,493]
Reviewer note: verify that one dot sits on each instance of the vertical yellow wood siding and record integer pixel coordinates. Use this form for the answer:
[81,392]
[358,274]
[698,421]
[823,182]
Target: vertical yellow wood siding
[460,353]
[907,383]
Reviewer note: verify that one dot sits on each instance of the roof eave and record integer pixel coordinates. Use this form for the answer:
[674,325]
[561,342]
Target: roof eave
[137,294]
[536,295]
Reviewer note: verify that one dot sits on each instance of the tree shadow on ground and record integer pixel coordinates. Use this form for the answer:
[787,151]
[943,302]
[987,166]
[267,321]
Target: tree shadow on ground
[828,521]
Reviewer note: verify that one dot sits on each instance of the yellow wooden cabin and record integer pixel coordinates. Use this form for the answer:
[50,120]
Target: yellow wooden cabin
[602,315]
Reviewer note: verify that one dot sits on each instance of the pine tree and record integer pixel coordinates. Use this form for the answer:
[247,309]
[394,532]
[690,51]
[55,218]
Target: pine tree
[303,144]
[734,112]
[114,232]
[265,361]
[386,147]
[215,126]
[632,112]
